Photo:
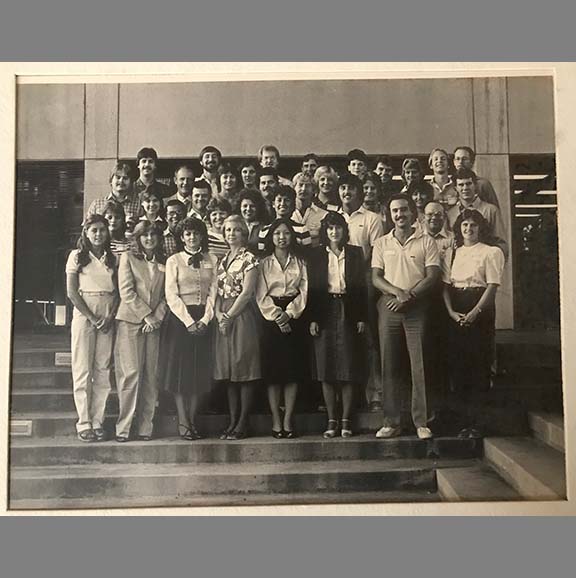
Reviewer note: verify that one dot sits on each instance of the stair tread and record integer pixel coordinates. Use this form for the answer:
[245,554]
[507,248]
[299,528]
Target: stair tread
[227,469]
[474,483]
[231,500]
[537,459]
[555,419]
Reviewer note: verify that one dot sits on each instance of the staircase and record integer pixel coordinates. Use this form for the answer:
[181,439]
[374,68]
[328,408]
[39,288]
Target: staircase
[51,469]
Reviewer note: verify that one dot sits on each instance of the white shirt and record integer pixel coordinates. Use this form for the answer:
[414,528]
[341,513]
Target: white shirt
[405,265]
[336,271]
[364,227]
[95,277]
[476,266]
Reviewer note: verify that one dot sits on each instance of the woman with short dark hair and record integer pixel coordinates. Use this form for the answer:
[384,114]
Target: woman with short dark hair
[186,348]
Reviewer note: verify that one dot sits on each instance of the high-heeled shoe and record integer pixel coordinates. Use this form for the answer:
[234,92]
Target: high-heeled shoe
[331,430]
[189,434]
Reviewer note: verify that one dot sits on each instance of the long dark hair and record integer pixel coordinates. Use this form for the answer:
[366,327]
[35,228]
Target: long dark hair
[269,247]
[483,227]
[141,229]
[336,219]
[84,246]
[118,210]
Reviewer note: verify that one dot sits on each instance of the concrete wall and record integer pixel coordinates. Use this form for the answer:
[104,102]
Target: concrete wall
[100,123]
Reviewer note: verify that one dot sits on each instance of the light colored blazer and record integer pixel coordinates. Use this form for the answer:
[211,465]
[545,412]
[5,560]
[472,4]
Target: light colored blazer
[140,293]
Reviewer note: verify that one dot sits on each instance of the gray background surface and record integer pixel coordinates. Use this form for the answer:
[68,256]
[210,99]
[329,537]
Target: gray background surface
[310,31]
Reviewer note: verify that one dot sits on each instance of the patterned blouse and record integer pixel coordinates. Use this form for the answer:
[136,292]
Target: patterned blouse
[231,274]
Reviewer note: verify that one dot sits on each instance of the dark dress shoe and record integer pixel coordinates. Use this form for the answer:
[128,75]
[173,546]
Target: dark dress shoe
[122,439]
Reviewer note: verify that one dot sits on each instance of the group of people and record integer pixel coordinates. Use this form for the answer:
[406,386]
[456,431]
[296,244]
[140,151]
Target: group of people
[245,278]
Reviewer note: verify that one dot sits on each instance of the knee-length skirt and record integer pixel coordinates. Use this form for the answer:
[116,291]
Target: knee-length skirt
[185,359]
[338,349]
[285,356]
[237,354]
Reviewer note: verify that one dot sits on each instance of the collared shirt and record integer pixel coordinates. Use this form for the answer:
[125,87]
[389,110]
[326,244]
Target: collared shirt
[213,181]
[446,194]
[186,285]
[326,206]
[364,227]
[490,212]
[156,186]
[194,213]
[445,242]
[275,281]
[405,265]
[336,271]
[130,205]
[186,201]
[170,245]
[301,231]
[158,221]
[312,218]
[476,266]
[95,277]
[231,272]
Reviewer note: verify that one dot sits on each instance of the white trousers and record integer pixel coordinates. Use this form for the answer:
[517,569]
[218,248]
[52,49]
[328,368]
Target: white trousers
[136,367]
[91,362]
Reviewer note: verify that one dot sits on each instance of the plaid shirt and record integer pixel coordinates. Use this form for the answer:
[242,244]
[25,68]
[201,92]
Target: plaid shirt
[170,246]
[162,189]
[130,205]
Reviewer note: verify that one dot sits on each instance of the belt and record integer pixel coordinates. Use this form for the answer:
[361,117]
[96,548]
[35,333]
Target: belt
[337,295]
[469,289]
[96,292]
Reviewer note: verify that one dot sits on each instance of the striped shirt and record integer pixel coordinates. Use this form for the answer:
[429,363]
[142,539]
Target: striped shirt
[119,246]
[303,237]
[217,245]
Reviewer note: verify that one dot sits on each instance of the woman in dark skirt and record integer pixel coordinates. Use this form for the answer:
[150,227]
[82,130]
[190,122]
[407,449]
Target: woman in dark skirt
[469,295]
[337,313]
[186,344]
[237,343]
[281,294]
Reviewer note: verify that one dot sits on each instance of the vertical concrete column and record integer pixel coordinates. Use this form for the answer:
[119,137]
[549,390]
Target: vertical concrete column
[101,138]
[492,162]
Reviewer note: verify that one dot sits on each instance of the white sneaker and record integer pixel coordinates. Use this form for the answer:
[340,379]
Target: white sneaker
[424,433]
[387,432]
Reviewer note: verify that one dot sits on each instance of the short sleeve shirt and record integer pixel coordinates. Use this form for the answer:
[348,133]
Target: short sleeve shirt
[94,277]
[476,266]
[405,265]
[231,274]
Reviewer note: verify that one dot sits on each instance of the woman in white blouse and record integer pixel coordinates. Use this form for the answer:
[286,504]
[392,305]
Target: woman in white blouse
[469,295]
[186,345]
[281,294]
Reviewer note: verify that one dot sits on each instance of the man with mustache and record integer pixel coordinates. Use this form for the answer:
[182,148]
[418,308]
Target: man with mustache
[405,269]
[210,161]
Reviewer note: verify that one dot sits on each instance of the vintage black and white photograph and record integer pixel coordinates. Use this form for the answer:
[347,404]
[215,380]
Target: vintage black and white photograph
[249,292]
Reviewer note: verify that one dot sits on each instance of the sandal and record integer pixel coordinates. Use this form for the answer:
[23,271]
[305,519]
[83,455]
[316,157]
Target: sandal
[188,433]
[346,432]
[331,430]
[87,435]
[237,435]
[277,434]
[224,435]
[99,434]
[289,434]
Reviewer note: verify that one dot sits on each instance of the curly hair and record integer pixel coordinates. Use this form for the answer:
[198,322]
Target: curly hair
[84,246]
[484,235]
[193,224]
[256,198]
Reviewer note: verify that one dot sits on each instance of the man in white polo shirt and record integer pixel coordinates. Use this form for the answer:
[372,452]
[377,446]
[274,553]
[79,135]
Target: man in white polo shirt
[364,226]
[405,269]
[306,212]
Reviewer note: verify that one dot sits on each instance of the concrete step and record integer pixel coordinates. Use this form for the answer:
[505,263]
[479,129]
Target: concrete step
[548,428]
[477,483]
[45,376]
[41,357]
[70,451]
[47,399]
[119,481]
[534,469]
[232,500]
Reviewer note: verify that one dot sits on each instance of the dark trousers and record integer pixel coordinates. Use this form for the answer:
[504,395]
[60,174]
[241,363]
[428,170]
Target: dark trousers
[400,330]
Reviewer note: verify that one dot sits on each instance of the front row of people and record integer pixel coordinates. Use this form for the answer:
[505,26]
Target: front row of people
[183,323]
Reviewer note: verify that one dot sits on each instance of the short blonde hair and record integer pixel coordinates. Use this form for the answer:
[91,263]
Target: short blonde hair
[239,221]
[325,170]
